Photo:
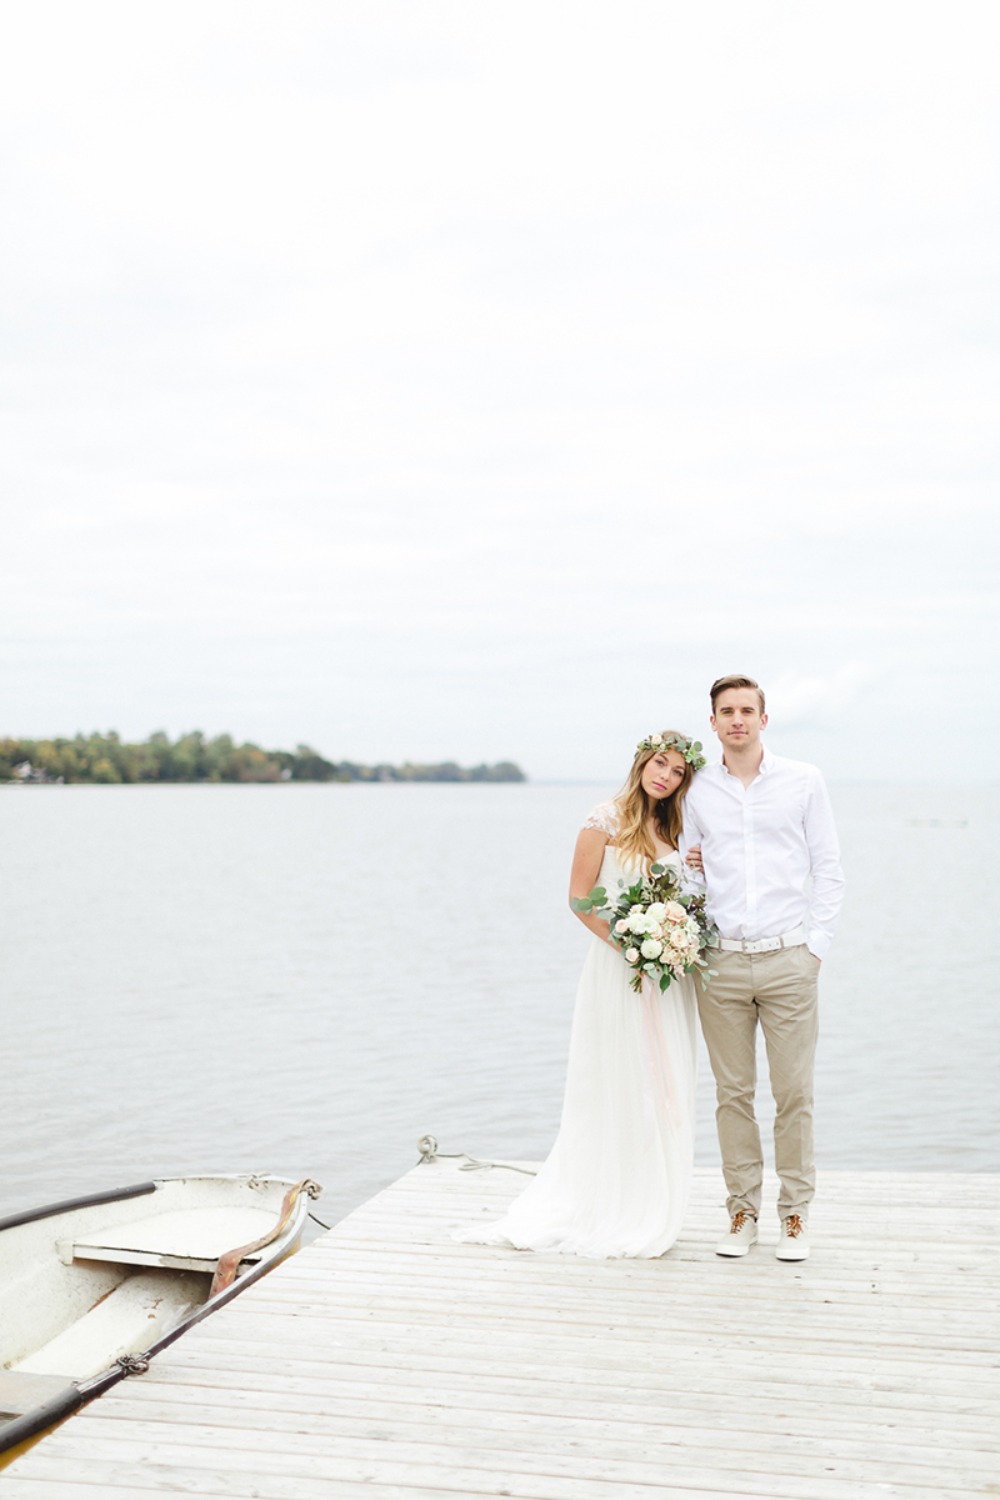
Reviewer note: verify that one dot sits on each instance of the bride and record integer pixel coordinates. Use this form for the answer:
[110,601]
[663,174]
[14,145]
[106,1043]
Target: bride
[618,1177]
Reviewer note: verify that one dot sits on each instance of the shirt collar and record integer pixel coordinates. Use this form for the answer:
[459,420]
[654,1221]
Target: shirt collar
[767,763]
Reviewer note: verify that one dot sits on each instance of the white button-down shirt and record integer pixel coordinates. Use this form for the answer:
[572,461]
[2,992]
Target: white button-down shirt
[770,850]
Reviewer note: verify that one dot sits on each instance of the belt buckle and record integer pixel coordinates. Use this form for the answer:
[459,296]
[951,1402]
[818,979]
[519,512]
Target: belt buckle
[764,945]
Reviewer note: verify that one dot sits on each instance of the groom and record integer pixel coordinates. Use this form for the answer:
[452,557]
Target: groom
[765,827]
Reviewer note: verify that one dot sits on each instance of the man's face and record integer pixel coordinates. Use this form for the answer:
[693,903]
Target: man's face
[738,720]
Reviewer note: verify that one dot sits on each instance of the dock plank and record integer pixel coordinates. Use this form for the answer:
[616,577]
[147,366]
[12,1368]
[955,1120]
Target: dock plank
[389,1359]
[759,1403]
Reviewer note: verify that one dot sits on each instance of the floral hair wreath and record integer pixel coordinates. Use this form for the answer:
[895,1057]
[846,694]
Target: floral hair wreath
[690,749]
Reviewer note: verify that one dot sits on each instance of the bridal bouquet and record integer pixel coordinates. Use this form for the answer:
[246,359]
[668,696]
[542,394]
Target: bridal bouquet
[660,931]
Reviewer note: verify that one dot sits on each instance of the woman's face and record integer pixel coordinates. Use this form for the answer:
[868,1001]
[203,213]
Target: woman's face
[662,774]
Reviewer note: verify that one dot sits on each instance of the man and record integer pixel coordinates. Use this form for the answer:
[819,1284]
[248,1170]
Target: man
[766,830]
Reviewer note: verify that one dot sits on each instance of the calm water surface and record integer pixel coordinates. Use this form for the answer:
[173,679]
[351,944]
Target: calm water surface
[308,978]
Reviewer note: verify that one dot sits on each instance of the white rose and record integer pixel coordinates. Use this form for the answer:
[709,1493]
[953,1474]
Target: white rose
[637,922]
[631,955]
[674,912]
[621,925]
[680,940]
[656,911]
[651,948]
[655,930]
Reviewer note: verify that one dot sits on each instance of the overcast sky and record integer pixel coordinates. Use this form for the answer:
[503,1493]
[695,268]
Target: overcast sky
[475,380]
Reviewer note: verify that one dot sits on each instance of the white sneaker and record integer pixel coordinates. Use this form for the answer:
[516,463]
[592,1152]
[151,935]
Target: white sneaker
[742,1234]
[793,1243]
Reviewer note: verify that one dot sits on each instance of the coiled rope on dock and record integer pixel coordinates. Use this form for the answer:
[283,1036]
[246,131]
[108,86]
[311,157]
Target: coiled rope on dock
[428,1148]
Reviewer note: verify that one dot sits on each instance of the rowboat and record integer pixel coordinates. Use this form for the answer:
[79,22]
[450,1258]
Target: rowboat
[92,1288]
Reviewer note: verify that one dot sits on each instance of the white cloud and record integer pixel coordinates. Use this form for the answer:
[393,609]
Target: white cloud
[797,701]
[419,380]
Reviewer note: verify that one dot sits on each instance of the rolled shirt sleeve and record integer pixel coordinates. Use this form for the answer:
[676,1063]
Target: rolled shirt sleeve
[828,884]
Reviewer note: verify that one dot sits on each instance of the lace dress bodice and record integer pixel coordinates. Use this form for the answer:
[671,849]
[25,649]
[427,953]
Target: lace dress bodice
[605,817]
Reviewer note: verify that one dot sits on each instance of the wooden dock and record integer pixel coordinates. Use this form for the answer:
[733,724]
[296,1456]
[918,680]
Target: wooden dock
[387,1360]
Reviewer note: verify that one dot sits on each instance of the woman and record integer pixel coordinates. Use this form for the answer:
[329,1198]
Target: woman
[618,1178]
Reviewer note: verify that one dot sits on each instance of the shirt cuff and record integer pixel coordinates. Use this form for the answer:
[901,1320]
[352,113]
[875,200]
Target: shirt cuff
[818,943]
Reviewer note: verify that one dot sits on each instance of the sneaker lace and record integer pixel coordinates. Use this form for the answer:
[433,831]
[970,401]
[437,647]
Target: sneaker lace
[739,1219]
[793,1226]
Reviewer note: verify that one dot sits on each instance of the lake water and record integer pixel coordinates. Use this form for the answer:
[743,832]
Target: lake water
[306,979]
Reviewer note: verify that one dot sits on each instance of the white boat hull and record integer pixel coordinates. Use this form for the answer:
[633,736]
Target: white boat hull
[92,1289]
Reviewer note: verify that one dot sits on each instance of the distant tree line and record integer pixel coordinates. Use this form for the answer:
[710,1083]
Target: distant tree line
[108,759]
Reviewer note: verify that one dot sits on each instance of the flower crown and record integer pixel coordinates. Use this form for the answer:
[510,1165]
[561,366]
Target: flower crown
[690,749]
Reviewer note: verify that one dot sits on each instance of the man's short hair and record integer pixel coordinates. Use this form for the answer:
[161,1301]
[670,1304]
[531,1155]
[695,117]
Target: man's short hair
[735,680]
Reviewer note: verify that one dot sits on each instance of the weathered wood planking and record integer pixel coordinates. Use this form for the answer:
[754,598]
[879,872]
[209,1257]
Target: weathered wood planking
[387,1359]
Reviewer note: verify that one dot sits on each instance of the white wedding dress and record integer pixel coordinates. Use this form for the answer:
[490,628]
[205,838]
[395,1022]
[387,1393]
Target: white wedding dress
[617,1180]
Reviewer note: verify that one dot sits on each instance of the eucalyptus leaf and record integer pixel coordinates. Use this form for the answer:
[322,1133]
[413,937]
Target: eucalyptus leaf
[595,900]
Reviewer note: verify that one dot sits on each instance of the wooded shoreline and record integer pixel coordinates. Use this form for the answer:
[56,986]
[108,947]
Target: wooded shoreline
[105,759]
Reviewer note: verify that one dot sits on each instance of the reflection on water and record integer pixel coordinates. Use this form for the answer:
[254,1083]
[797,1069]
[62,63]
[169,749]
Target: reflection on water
[308,978]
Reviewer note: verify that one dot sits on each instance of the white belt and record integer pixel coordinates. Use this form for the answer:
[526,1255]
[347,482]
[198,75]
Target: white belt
[763,945]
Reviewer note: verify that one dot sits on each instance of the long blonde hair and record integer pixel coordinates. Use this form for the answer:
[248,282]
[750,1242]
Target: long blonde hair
[634,807]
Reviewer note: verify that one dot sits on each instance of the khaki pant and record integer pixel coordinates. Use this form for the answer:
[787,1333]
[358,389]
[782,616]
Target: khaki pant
[780,991]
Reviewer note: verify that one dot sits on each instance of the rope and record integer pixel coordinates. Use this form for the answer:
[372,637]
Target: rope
[428,1148]
[225,1270]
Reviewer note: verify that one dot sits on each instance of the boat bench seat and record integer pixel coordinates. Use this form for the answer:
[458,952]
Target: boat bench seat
[70,1250]
[184,1240]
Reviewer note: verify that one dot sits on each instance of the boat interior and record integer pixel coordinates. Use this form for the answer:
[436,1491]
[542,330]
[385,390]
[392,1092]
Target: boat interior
[82,1287]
